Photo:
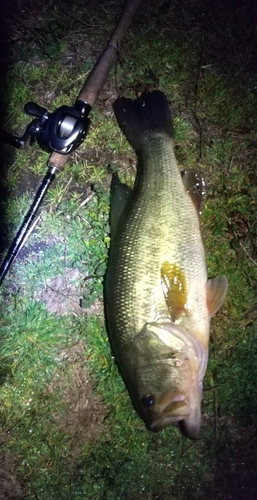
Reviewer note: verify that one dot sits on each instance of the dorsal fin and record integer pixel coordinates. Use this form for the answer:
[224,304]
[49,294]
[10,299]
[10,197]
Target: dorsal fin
[195,186]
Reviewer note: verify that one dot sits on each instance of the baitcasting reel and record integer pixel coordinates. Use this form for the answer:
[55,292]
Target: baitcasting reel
[61,131]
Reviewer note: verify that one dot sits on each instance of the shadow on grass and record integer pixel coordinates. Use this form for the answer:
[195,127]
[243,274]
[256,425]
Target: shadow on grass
[9,487]
[5,54]
[10,9]
[235,446]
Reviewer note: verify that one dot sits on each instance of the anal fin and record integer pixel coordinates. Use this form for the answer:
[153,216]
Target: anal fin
[120,194]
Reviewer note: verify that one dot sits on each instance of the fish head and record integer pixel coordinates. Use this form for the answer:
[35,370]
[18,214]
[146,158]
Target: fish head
[168,370]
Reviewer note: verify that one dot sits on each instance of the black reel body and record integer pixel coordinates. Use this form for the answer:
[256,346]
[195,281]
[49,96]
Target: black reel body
[61,131]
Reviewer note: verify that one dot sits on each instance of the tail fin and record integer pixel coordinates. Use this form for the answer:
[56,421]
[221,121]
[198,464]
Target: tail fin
[148,113]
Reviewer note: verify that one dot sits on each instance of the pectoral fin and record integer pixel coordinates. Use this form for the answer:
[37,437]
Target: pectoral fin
[174,289]
[216,293]
[195,186]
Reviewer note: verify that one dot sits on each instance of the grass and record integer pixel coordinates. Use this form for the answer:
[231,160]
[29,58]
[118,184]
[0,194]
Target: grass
[67,426]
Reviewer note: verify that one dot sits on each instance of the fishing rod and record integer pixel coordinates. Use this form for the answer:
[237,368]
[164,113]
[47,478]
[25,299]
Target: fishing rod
[63,131]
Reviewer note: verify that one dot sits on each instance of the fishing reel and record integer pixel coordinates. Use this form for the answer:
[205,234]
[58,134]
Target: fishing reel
[61,131]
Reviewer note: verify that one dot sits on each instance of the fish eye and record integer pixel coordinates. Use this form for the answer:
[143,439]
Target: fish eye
[148,400]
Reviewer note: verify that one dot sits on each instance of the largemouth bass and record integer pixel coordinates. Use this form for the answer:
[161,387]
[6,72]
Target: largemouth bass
[157,295]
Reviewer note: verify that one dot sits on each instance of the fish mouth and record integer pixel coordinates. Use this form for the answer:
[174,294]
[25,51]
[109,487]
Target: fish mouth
[181,411]
[187,419]
[172,413]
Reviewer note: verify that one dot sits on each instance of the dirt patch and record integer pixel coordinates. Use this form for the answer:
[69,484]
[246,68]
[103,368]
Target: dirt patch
[9,488]
[63,295]
[85,411]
